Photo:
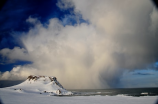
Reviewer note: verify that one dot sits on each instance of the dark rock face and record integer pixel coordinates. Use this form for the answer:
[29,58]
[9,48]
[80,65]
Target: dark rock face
[34,77]
[53,79]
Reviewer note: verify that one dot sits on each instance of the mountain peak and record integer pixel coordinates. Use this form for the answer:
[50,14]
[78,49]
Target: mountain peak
[43,85]
[45,79]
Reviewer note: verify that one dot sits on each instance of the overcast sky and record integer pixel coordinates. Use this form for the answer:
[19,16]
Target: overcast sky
[85,44]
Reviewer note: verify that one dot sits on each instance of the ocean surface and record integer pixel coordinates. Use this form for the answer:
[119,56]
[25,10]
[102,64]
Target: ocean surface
[113,92]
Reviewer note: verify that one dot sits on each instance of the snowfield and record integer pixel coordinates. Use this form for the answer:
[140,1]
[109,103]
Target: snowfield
[9,96]
[47,90]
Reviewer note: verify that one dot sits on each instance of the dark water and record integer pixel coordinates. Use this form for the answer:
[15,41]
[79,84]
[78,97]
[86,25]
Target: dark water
[112,92]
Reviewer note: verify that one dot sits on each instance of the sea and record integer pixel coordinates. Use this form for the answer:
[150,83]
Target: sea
[136,92]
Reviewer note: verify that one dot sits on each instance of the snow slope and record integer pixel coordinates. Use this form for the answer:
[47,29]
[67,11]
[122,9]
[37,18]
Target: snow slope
[41,85]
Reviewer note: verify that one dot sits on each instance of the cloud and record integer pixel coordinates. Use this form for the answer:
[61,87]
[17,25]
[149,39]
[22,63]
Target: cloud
[139,79]
[63,5]
[154,21]
[17,73]
[118,37]
[143,73]
[15,54]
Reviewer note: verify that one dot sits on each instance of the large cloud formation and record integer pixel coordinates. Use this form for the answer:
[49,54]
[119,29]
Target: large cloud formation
[120,35]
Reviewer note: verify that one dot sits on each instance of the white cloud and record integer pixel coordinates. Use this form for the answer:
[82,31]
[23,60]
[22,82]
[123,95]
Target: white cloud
[18,73]
[90,55]
[154,21]
[15,54]
[63,5]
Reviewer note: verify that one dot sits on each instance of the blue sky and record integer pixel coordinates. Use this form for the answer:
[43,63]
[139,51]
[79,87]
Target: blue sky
[13,20]
[115,43]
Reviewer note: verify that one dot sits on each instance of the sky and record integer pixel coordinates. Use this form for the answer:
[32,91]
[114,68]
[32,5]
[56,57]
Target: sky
[86,45]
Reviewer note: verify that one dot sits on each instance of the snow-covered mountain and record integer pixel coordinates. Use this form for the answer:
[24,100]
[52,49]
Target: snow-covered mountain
[42,85]
[31,91]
